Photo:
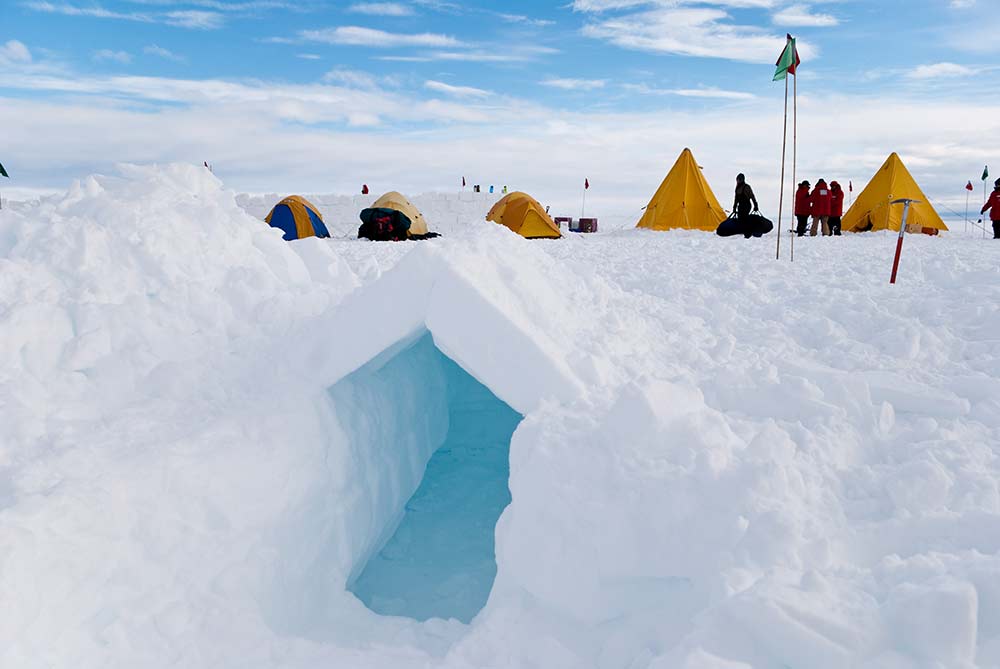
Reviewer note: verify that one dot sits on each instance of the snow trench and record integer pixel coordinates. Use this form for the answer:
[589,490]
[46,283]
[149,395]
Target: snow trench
[439,444]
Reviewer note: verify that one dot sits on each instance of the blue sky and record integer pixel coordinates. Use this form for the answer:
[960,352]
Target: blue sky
[315,95]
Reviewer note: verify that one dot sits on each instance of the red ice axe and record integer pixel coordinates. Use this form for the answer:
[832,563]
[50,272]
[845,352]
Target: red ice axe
[906,202]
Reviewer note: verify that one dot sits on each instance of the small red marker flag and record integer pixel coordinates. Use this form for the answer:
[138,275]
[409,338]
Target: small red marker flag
[586,184]
[968,186]
[850,186]
[463,182]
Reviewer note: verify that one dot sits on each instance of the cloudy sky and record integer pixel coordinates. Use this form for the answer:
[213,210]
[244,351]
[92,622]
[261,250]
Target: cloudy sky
[323,95]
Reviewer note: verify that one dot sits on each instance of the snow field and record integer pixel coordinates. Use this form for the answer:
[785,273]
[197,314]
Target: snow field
[725,461]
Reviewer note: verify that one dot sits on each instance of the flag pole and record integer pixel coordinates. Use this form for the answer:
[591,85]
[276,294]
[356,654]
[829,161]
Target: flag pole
[967,194]
[781,189]
[795,149]
[986,175]
[583,207]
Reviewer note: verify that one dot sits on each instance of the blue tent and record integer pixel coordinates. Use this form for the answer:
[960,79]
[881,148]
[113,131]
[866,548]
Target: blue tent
[298,218]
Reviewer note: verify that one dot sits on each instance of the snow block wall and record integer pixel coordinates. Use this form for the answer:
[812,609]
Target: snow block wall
[444,212]
[441,439]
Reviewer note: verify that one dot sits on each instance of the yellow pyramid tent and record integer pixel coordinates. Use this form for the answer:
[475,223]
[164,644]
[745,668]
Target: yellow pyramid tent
[393,200]
[683,200]
[521,213]
[872,211]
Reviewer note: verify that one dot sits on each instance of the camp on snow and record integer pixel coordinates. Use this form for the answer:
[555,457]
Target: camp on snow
[873,209]
[393,218]
[297,218]
[684,200]
[521,213]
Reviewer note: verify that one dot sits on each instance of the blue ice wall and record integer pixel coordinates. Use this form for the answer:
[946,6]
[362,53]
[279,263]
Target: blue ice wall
[440,562]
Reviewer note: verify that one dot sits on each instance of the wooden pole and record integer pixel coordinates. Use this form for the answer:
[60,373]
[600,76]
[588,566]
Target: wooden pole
[984,203]
[795,154]
[781,189]
[967,194]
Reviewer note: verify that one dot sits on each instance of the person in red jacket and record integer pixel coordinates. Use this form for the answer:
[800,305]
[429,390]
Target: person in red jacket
[993,205]
[802,208]
[836,207]
[819,203]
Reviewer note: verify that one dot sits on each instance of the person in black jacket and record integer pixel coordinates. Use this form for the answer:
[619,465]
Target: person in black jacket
[743,199]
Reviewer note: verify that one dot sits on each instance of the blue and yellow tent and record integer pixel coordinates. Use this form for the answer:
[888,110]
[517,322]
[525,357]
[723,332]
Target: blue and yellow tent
[298,218]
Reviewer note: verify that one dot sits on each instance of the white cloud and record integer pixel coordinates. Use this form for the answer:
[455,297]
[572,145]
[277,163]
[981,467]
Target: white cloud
[193,18]
[189,18]
[308,56]
[159,51]
[938,70]
[377,39]
[227,5]
[93,11]
[515,55]
[381,9]
[15,52]
[706,92]
[802,16]
[698,31]
[605,5]
[575,84]
[962,4]
[525,20]
[457,91]
[123,57]
[350,78]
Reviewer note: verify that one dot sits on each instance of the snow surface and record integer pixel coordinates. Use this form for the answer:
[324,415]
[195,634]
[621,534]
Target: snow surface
[725,461]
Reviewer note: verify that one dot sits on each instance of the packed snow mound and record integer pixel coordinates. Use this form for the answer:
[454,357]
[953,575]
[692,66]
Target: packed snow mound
[724,461]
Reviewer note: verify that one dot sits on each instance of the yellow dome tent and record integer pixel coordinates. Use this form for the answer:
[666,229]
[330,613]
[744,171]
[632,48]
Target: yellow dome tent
[393,200]
[521,213]
[871,211]
[683,200]
[297,218]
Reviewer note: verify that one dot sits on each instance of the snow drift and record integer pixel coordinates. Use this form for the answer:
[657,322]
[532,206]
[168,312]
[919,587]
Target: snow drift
[715,460]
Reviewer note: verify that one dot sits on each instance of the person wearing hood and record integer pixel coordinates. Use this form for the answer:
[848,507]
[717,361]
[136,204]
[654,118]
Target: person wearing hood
[993,206]
[836,207]
[819,203]
[744,196]
[802,208]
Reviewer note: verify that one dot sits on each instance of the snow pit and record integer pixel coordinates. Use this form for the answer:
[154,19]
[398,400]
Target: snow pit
[438,489]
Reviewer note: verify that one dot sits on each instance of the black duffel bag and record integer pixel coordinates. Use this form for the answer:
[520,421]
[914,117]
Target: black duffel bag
[383,225]
[752,225]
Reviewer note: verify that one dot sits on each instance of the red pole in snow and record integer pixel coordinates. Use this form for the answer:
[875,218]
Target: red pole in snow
[902,229]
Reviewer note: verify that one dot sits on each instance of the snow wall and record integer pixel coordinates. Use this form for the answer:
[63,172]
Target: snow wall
[723,462]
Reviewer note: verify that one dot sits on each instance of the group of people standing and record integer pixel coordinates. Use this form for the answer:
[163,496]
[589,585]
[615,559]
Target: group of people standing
[824,204]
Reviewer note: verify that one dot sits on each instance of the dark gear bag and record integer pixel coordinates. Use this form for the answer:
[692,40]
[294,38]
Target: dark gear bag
[383,225]
[752,225]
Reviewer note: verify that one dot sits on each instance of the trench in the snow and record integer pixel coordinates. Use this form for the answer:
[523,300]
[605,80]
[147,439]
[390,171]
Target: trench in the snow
[449,437]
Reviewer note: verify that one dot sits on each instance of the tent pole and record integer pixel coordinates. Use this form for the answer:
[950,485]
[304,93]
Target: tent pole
[781,189]
[795,153]
[984,202]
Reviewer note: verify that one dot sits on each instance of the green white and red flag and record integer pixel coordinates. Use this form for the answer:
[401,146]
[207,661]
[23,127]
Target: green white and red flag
[789,61]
